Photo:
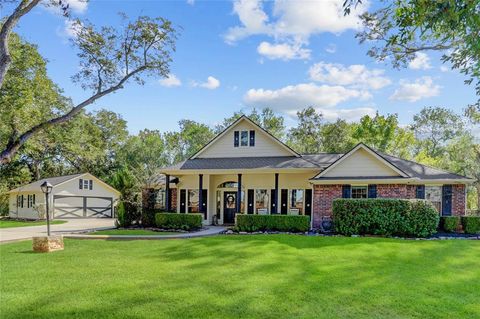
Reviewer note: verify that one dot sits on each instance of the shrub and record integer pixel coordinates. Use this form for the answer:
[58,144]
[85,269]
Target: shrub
[252,223]
[384,217]
[148,217]
[471,224]
[449,223]
[121,216]
[178,221]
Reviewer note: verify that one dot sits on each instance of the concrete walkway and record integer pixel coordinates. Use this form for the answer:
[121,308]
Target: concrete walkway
[71,226]
[208,231]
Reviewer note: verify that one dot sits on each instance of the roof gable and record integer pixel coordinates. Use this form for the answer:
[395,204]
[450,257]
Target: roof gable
[265,143]
[361,161]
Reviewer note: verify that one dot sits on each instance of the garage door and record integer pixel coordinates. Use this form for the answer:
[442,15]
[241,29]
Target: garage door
[82,206]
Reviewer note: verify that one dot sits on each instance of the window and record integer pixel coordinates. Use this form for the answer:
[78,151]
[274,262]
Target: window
[30,200]
[229,184]
[434,195]
[359,191]
[193,200]
[296,200]
[160,199]
[85,184]
[244,138]
[261,200]
[19,200]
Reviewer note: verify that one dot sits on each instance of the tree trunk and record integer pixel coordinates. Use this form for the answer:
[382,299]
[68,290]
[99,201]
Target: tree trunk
[5,59]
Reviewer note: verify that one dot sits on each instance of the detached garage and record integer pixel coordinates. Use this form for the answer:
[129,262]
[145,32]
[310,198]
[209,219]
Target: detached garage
[72,196]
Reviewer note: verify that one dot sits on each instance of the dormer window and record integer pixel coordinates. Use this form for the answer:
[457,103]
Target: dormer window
[243,138]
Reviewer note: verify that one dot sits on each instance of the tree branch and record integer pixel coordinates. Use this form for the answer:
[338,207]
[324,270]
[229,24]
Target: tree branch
[5,59]
[13,146]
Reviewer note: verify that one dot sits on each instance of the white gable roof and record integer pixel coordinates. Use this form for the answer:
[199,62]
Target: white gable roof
[265,143]
[361,161]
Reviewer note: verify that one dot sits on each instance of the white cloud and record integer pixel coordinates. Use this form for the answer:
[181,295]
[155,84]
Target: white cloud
[191,2]
[170,81]
[444,68]
[331,48]
[75,6]
[292,20]
[355,75]
[211,83]
[296,97]
[420,62]
[70,29]
[413,91]
[346,114]
[283,51]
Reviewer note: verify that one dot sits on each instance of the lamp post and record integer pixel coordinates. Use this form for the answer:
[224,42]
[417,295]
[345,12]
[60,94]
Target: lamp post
[46,189]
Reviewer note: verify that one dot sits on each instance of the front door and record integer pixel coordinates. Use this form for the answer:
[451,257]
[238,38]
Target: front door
[229,207]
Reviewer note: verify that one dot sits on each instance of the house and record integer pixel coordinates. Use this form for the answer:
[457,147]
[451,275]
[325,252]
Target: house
[246,170]
[72,196]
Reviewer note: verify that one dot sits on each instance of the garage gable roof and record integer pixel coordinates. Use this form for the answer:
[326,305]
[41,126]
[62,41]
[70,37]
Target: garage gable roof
[56,181]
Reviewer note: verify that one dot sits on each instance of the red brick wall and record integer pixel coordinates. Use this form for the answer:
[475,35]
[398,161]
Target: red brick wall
[323,195]
[411,191]
[173,203]
[458,200]
[392,191]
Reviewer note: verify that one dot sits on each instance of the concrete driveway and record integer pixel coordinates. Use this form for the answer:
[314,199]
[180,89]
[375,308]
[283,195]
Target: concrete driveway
[71,226]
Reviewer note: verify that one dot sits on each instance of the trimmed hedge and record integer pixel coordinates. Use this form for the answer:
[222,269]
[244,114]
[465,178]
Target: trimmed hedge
[471,224]
[449,223]
[253,223]
[178,221]
[384,217]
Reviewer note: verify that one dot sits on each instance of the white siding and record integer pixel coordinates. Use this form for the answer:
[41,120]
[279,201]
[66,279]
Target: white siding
[361,163]
[25,211]
[264,145]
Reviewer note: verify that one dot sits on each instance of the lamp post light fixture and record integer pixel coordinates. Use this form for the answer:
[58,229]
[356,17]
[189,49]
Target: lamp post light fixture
[47,189]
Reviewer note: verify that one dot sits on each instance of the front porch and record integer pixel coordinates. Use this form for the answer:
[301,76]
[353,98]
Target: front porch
[219,197]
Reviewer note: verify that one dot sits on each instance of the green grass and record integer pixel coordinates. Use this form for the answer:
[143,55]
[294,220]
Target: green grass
[131,232]
[8,223]
[274,276]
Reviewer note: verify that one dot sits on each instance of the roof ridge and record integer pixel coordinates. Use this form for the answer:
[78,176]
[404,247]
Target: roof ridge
[426,165]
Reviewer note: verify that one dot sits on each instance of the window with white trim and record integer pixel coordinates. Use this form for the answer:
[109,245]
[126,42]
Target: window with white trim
[261,199]
[296,200]
[244,138]
[193,200]
[434,195]
[359,191]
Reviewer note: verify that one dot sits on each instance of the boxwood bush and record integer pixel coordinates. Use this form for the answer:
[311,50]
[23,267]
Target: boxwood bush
[385,217]
[449,224]
[178,221]
[252,223]
[471,224]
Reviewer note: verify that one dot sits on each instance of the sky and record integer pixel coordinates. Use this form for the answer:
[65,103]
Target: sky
[236,55]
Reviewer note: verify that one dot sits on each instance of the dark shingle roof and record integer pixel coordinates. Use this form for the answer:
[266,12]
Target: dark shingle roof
[35,186]
[313,161]
[307,161]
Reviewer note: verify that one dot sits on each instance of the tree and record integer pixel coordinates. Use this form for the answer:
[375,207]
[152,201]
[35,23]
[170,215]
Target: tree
[384,134]
[306,137]
[337,137]
[434,127]
[401,29]
[186,142]
[267,120]
[109,58]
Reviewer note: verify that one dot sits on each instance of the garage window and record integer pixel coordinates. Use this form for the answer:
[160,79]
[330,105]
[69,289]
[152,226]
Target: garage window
[30,200]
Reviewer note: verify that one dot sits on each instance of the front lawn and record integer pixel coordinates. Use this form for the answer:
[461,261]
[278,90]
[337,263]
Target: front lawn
[263,276]
[131,232]
[8,223]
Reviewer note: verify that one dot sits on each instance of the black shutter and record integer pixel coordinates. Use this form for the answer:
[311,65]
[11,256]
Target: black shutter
[284,201]
[346,191]
[236,138]
[33,199]
[372,191]
[447,200]
[273,206]
[90,184]
[252,138]
[21,203]
[250,198]
[80,183]
[204,203]
[420,192]
[183,201]
[308,202]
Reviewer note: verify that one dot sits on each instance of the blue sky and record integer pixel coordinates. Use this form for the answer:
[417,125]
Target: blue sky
[234,55]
